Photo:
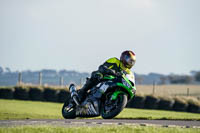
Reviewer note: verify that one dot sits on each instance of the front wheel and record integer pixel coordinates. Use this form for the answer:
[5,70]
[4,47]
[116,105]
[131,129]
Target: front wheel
[110,109]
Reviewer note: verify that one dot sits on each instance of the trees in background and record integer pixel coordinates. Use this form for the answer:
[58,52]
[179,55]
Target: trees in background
[51,76]
[1,70]
[197,76]
[180,79]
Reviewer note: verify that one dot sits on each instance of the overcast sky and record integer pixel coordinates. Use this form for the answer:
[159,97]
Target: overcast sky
[81,34]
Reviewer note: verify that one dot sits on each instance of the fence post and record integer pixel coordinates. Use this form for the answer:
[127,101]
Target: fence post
[188,91]
[61,81]
[153,87]
[20,78]
[40,78]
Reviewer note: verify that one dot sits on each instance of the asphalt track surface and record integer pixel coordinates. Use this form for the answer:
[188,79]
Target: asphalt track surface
[97,122]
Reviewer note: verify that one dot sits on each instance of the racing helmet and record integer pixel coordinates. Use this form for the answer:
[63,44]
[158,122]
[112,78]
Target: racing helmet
[128,59]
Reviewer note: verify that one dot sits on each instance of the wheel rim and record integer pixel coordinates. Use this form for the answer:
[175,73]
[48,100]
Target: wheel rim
[68,108]
[111,105]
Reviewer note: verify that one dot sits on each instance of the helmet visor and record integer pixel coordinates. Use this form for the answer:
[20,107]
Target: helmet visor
[129,62]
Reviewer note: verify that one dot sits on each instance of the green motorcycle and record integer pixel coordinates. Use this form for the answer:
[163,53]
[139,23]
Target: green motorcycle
[107,99]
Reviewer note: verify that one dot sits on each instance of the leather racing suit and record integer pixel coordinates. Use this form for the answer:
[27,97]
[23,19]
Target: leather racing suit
[112,66]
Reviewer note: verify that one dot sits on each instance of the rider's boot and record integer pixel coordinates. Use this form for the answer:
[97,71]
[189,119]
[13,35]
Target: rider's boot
[82,92]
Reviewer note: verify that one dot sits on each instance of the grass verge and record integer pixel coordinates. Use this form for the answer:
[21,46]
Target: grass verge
[16,109]
[99,129]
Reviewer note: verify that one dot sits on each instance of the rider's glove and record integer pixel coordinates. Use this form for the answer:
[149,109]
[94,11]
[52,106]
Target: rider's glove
[118,74]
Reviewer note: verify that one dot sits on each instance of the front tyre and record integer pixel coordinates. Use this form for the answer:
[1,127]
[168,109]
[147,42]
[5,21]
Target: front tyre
[110,109]
[68,110]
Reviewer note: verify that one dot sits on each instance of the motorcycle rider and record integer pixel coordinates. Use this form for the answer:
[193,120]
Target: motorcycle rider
[112,66]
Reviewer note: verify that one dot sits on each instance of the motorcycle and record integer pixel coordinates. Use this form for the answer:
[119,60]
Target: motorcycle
[107,99]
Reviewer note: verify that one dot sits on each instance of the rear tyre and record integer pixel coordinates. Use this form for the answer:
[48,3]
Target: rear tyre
[68,112]
[109,112]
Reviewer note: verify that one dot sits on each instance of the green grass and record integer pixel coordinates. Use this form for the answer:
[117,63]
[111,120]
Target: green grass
[99,129]
[16,109]
[157,114]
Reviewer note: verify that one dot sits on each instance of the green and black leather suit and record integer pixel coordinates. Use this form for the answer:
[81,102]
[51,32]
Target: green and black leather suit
[112,66]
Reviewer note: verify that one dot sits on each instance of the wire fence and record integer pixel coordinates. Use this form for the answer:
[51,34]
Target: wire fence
[57,80]
[169,90]
[62,81]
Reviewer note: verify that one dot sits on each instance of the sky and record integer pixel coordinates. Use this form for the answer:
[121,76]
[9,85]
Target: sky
[82,34]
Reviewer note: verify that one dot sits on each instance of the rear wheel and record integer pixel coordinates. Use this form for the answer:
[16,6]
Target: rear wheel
[69,110]
[110,109]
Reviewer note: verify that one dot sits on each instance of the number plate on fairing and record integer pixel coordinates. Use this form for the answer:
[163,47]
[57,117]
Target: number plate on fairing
[125,83]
